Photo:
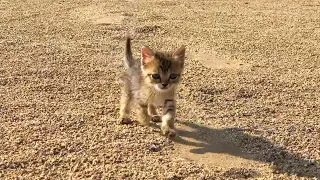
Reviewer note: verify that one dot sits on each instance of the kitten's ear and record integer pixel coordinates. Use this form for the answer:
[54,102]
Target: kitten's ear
[146,55]
[180,53]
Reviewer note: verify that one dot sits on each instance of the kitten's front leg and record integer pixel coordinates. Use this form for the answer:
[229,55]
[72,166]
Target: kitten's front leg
[144,117]
[169,115]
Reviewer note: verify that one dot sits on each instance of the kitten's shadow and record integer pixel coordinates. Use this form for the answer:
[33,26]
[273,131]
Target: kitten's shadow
[229,141]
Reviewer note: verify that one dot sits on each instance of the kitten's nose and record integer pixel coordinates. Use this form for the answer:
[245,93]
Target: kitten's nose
[165,85]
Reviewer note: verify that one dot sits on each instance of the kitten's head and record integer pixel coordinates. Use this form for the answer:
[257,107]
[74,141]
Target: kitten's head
[162,70]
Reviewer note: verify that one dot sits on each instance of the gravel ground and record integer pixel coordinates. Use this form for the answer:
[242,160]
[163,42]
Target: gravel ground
[251,84]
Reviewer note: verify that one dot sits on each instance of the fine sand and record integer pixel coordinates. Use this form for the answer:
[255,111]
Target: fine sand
[248,106]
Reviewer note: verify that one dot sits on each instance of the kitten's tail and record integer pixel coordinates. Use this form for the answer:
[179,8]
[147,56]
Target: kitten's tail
[128,59]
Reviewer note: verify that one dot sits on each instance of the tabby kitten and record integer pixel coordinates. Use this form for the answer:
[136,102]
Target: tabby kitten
[152,83]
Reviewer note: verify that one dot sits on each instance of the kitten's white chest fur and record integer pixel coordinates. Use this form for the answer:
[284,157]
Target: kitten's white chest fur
[160,98]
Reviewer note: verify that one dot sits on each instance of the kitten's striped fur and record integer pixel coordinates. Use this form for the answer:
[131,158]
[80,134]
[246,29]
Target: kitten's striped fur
[152,83]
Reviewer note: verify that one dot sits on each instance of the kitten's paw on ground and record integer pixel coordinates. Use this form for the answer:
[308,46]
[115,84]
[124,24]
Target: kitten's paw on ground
[145,122]
[166,131]
[172,133]
[156,118]
[126,121]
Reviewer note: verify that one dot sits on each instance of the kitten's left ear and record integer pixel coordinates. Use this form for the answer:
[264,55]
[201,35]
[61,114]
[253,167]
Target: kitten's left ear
[180,53]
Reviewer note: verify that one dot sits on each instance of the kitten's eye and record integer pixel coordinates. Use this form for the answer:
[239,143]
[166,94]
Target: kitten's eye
[173,76]
[155,76]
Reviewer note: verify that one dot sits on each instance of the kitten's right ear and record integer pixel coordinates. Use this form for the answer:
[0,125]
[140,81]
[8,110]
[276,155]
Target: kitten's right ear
[180,53]
[146,55]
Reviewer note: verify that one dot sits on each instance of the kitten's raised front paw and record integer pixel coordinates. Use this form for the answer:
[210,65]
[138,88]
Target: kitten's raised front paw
[125,121]
[166,131]
[156,118]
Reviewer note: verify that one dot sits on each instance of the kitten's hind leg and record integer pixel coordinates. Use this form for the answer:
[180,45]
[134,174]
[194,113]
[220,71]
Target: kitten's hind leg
[153,113]
[125,103]
[144,117]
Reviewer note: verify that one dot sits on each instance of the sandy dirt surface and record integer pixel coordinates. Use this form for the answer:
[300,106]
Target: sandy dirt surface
[248,107]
